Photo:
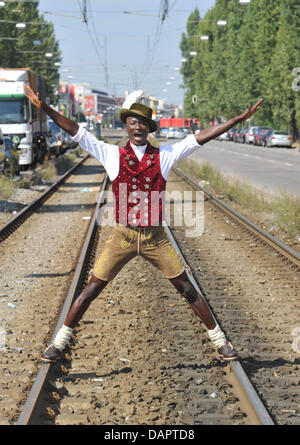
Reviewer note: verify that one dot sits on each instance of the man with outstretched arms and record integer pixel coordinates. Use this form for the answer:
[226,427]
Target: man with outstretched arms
[138,173]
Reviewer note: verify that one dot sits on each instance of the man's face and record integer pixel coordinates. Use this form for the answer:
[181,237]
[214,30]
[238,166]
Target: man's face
[137,129]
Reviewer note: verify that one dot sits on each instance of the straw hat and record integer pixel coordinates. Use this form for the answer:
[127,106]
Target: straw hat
[139,110]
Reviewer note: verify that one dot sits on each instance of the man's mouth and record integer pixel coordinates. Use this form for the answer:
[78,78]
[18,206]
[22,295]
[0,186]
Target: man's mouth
[138,136]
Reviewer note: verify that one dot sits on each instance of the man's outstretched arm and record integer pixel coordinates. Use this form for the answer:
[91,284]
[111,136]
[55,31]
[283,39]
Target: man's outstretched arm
[215,131]
[63,122]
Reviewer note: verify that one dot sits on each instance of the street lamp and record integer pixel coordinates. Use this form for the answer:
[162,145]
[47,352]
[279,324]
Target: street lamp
[21,25]
[193,53]
[204,38]
[49,55]
[222,23]
[245,2]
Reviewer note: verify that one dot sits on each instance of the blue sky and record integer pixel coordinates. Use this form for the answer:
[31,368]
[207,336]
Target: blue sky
[125,43]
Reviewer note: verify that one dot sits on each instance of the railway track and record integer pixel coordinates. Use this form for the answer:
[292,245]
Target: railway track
[36,408]
[159,366]
[25,213]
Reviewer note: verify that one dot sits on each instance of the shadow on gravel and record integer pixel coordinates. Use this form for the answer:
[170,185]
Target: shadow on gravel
[65,208]
[49,275]
[80,184]
[93,375]
[254,365]
[213,364]
[11,206]
[88,170]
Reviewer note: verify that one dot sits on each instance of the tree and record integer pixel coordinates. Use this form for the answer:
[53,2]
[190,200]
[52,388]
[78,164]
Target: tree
[19,48]
[254,56]
[187,70]
[284,58]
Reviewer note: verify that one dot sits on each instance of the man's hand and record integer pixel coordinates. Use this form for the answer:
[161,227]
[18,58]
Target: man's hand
[251,110]
[33,97]
[213,132]
[63,122]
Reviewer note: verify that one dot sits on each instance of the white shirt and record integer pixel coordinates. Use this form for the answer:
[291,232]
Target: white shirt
[139,150]
[108,154]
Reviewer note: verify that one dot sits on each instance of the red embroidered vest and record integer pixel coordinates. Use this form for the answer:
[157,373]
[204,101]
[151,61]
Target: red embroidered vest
[139,189]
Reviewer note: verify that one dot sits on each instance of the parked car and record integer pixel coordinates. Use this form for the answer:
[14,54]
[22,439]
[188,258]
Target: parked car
[179,133]
[2,145]
[164,132]
[55,141]
[279,139]
[264,137]
[250,135]
[9,157]
[241,137]
[171,133]
[224,136]
[72,144]
[2,151]
[258,133]
[231,133]
[236,135]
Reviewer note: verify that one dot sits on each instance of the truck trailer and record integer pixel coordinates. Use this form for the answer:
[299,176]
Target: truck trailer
[26,125]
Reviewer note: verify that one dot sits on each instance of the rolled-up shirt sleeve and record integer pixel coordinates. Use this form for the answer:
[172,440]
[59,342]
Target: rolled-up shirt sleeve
[106,154]
[170,154]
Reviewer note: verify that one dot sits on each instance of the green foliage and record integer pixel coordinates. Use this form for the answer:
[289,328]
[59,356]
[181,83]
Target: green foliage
[23,52]
[253,56]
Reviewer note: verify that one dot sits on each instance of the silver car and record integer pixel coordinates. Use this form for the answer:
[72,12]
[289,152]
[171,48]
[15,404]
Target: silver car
[171,132]
[250,135]
[179,133]
[279,139]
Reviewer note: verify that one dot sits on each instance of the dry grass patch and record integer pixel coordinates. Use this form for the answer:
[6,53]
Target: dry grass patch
[281,211]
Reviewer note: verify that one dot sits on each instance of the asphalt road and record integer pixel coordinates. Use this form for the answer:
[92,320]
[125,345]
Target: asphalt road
[268,169]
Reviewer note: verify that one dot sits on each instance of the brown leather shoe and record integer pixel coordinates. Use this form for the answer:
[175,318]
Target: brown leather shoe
[227,352]
[51,355]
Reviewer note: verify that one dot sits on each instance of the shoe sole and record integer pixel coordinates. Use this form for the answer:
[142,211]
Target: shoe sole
[47,361]
[228,358]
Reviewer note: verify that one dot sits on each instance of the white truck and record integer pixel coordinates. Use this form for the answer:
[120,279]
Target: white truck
[26,125]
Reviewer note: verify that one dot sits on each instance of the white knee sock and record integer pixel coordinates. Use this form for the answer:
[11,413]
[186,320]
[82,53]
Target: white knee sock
[217,336]
[62,337]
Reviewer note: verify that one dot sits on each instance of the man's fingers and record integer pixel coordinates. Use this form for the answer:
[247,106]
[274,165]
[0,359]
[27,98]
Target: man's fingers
[258,103]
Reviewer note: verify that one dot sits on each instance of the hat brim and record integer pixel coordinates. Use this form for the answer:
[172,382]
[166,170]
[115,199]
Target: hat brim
[124,113]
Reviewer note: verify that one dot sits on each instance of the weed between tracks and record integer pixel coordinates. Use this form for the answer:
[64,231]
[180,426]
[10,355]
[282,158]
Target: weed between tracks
[7,187]
[280,212]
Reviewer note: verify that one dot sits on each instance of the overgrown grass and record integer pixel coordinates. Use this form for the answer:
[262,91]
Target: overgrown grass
[287,211]
[64,163]
[7,187]
[48,173]
[281,211]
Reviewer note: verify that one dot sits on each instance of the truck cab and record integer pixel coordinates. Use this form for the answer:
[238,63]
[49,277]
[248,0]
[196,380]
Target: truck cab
[19,119]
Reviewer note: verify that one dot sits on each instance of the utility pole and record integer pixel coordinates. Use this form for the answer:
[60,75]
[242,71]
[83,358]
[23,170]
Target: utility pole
[84,10]
[165,10]
[105,61]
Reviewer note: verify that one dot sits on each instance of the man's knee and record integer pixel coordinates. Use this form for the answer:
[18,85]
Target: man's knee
[93,288]
[184,286]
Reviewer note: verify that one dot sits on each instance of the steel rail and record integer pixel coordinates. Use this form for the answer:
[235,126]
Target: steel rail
[15,222]
[30,413]
[252,402]
[279,246]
